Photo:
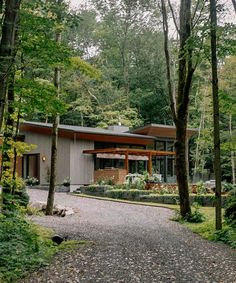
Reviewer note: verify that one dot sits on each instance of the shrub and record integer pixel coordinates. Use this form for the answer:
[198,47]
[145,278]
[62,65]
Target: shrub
[139,184]
[19,199]
[230,208]
[200,188]
[109,181]
[165,189]
[226,187]
[125,194]
[227,235]
[96,190]
[195,217]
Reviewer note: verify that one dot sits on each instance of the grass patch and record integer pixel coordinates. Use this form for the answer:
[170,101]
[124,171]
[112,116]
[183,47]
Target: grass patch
[207,228]
[25,247]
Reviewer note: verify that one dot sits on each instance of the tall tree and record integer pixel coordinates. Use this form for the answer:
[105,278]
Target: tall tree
[180,108]
[217,159]
[56,119]
[7,48]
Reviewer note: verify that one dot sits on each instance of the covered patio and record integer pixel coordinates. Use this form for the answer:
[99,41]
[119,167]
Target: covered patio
[125,154]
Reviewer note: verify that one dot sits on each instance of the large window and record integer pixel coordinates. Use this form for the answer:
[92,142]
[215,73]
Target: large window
[170,167]
[160,145]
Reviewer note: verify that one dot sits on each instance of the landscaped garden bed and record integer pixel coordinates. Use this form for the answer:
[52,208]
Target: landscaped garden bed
[165,194]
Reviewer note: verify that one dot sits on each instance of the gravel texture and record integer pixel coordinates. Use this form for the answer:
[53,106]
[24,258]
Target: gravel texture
[130,243]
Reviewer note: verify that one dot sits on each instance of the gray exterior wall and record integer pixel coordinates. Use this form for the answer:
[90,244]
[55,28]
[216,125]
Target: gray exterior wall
[43,148]
[81,165]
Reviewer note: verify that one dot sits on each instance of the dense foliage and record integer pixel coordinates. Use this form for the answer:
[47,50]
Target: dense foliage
[230,209]
[23,247]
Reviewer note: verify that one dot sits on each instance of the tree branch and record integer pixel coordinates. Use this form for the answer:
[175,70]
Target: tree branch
[173,16]
[200,14]
[195,10]
[167,55]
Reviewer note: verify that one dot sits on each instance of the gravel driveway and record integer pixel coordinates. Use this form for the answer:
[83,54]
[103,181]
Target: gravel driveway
[131,243]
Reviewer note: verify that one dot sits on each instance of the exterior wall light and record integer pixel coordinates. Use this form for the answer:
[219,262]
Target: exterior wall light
[43,158]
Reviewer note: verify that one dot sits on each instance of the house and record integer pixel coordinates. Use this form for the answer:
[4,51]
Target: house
[89,154]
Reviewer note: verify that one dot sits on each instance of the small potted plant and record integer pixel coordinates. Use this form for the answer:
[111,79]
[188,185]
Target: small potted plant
[31,181]
[66,182]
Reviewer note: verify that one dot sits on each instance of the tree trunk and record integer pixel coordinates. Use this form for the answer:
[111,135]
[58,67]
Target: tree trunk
[6,148]
[180,110]
[52,182]
[232,152]
[56,118]
[7,46]
[217,161]
[234,3]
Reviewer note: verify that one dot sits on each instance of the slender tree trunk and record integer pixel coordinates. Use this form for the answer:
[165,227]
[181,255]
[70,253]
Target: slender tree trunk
[56,118]
[180,110]
[232,155]
[217,159]
[7,46]
[234,4]
[1,5]
[6,149]
[15,139]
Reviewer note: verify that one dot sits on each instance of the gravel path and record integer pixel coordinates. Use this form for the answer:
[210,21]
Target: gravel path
[131,243]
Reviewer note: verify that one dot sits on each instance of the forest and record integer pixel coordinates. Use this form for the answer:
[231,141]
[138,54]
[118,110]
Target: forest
[128,62]
[113,69]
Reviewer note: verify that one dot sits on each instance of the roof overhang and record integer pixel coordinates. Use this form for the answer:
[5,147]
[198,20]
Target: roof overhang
[162,131]
[124,138]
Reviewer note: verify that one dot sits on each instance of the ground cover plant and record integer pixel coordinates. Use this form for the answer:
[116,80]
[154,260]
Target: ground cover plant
[23,246]
[207,228]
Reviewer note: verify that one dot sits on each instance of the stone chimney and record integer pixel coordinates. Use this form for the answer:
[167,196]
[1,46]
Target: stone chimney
[118,128]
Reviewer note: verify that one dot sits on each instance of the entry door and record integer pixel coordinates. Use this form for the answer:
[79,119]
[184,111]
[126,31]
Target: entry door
[31,166]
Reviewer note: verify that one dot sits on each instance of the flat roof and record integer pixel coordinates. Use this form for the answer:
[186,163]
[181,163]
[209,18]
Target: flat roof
[88,133]
[88,130]
[164,131]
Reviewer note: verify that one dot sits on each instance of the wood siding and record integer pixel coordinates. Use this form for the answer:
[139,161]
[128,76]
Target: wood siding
[82,165]
[43,148]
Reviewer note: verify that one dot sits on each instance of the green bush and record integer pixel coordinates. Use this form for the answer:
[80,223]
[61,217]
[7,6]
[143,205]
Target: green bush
[22,248]
[226,187]
[16,201]
[95,190]
[227,235]
[156,198]
[195,217]
[230,208]
[201,189]
[125,194]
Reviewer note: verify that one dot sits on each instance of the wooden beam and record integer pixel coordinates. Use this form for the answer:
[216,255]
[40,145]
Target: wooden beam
[127,162]
[131,151]
[150,164]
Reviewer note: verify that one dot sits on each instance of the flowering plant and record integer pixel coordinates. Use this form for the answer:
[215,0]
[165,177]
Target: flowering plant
[31,181]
